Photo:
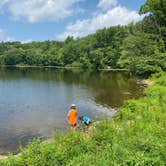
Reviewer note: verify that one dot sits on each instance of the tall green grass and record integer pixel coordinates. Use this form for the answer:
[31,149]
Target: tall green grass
[135,136]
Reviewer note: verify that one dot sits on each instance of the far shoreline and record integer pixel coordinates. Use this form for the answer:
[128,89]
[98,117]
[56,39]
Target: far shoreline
[64,67]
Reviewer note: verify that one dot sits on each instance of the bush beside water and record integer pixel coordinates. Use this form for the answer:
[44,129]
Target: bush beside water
[135,136]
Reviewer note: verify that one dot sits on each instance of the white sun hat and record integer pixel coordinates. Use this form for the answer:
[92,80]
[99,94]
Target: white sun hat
[73,105]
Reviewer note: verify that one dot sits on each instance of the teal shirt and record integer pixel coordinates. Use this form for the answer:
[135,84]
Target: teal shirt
[86,118]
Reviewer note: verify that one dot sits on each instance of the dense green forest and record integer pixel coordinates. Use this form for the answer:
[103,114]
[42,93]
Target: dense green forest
[138,47]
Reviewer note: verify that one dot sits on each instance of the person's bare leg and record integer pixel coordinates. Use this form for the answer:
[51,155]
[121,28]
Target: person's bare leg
[72,128]
[75,128]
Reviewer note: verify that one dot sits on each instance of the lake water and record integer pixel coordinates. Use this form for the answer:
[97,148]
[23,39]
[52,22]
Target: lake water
[34,101]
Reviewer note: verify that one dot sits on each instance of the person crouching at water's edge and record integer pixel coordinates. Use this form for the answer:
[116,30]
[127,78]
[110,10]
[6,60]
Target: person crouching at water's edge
[86,120]
[72,117]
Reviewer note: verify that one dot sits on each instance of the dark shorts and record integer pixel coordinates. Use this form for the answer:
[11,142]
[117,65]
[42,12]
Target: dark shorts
[87,124]
[73,125]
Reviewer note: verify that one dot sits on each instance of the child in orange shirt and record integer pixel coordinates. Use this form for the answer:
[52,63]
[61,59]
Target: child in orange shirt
[72,117]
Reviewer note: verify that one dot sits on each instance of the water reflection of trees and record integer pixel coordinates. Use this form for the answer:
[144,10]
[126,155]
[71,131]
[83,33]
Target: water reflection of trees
[108,88]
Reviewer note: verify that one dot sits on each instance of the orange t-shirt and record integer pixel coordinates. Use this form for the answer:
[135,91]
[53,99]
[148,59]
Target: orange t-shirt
[72,116]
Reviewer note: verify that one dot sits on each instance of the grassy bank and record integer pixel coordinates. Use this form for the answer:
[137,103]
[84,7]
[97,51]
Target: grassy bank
[136,136]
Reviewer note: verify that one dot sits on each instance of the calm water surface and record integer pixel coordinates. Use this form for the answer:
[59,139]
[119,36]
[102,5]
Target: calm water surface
[34,102]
